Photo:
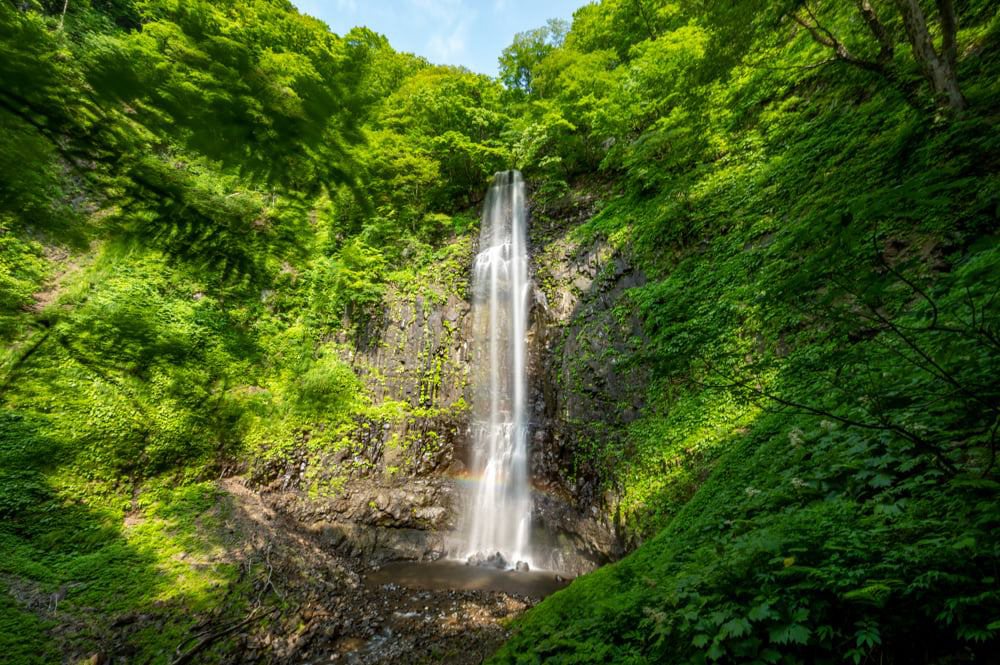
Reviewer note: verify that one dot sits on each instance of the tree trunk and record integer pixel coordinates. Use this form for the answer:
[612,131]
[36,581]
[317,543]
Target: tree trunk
[882,65]
[878,30]
[940,69]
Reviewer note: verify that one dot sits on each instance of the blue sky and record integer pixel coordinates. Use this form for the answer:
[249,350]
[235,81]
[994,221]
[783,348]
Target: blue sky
[453,32]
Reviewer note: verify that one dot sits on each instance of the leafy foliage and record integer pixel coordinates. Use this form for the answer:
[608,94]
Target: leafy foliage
[204,205]
[518,61]
[813,477]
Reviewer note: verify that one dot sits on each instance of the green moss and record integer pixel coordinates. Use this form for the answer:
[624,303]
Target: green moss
[78,556]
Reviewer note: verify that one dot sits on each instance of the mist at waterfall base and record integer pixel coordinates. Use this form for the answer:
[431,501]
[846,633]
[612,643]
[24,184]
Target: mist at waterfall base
[496,525]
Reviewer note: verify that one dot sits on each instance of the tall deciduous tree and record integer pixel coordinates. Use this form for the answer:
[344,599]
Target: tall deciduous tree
[939,64]
[518,61]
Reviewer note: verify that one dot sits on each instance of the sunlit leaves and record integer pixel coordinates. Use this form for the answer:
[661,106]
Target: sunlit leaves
[518,61]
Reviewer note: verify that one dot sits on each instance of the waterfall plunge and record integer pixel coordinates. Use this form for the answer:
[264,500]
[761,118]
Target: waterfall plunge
[498,518]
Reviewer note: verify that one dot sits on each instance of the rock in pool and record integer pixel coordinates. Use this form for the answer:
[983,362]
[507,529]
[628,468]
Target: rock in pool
[484,560]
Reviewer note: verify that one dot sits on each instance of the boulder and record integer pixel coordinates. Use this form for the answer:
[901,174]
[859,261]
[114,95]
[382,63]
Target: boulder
[483,560]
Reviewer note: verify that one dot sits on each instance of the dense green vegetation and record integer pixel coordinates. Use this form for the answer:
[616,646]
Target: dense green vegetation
[204,204]
[192,212]
[815,471]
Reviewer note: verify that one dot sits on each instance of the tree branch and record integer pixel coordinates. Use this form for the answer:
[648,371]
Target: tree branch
[823,36]
[885,425]
[949,31]
[645,18]
[878,30]
[815,65]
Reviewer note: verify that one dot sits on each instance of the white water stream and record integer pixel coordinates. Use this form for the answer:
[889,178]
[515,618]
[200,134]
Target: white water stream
[498,517]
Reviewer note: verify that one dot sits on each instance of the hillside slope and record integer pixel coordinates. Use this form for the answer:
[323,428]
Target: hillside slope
[813,475]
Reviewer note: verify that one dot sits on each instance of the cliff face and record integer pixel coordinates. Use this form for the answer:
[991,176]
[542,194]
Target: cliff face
[586,388]
[392,489]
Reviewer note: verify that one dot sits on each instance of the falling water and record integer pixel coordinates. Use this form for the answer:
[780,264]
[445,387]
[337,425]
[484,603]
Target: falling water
[499,514]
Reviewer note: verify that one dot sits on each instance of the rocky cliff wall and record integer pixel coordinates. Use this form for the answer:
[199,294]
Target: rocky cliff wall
[393,489]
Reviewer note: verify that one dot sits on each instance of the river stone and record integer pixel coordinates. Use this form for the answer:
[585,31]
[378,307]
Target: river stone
[522,567]
[484,560]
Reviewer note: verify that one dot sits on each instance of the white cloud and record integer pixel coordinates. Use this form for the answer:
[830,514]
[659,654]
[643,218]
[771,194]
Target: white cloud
[449,44]
[450,23]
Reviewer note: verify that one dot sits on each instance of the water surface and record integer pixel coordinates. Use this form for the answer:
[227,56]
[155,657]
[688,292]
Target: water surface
[455,575]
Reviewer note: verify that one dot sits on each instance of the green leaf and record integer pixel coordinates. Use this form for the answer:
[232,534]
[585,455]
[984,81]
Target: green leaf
[880,480]
[760,612]
[790,634]
[735,628]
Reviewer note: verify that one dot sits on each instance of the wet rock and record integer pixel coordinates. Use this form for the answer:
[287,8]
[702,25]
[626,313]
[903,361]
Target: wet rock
[522,567]
[483,560]
[433,515]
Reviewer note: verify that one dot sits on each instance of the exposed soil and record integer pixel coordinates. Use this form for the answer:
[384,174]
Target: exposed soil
[341,617]
[314,605]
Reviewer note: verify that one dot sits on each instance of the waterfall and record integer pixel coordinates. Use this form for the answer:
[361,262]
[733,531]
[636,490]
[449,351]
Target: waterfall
[498,518]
